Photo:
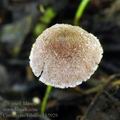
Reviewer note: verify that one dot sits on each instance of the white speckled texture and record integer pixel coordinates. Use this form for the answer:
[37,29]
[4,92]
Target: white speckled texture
[67,55]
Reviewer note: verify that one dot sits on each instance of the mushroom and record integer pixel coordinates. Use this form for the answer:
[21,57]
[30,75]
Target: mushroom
[64,56]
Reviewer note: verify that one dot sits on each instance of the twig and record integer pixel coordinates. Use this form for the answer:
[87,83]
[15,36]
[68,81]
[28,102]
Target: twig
[105,86]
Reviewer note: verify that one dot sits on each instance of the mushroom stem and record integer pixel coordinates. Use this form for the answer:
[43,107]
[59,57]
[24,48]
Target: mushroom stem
[45,99]
[80,11]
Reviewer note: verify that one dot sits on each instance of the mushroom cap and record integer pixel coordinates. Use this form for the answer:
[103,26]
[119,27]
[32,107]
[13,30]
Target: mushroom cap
[65,55]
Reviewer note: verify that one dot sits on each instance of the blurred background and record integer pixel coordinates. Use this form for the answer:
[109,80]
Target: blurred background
[21,94]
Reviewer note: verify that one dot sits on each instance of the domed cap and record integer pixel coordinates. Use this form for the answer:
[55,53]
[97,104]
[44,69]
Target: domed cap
[65,56]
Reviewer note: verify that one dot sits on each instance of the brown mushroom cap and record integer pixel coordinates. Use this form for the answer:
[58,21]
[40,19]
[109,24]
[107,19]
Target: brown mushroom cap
[65,56]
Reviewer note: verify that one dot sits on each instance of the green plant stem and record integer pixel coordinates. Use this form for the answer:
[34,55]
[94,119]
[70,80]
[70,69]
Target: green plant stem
[45,99]
[80,11]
